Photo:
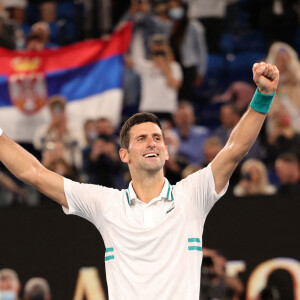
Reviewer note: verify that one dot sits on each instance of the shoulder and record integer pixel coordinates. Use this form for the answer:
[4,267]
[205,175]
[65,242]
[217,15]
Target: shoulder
[91,190]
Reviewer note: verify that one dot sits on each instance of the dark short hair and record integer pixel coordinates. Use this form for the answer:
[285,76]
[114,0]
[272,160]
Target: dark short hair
[136,119]
[288,157]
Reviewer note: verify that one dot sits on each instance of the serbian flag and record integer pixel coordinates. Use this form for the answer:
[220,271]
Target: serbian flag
[88,74]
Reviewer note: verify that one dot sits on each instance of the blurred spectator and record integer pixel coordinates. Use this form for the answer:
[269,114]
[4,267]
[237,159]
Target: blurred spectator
[161,78]
[254,180]
[37,289]
[230,115]
[16,10]
[277,19]
[288,92]
[191,137]
[12,193]
[215,283]
[43,30]
[97,17]
[102,164]
[211,14]
[189,46]
[144,25]
[240,93]
[211,147]
[58,131]
[160,9]
[131,89]
[53,159]
[104,126]
[90,131]
[283,137]
[9,285]
[176,162]
[7,30]
[288,172]
[48,11]
[35,42]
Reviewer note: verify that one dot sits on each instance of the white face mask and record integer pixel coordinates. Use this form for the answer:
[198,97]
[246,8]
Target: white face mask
[176,13]
[8,295]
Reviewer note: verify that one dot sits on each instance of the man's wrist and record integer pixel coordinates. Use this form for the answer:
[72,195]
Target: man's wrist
[261,102]
[266,92]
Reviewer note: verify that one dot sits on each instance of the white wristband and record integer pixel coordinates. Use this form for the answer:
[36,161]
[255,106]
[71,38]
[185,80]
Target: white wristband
[1,131]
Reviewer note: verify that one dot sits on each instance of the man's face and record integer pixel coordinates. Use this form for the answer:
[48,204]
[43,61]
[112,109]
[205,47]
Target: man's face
[184,117]
[9,284]
[228,117]
[147,150]
[283,170]
[105,127]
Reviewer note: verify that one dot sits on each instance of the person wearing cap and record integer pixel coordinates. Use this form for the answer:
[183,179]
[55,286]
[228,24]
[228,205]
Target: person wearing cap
[152,231]
[37,288]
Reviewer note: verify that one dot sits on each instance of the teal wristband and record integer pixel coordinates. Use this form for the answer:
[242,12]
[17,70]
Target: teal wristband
[262,102]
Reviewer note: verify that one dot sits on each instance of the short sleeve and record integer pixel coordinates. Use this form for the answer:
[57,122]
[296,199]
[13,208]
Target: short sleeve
[87,200]
[176,69]
[199,188]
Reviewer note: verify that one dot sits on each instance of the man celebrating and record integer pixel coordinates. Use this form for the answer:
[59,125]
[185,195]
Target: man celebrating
[152,231]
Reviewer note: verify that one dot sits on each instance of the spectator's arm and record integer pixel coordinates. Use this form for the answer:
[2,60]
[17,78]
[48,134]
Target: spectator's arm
[201,48]
[166,68]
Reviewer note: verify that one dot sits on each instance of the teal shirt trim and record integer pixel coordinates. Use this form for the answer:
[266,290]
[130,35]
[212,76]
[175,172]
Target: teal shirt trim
[169,195]
[190,240]
[109,257]
[197,248]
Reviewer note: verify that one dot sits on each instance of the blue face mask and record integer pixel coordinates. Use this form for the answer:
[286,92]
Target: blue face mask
[8,295]
[139,16]
[176,13]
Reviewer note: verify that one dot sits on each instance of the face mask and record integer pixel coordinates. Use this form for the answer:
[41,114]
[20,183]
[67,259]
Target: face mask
[8,295]
[176,13]
[92,134]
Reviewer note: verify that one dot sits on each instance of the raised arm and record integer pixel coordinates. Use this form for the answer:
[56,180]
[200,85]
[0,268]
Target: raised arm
[28,169]
[243,136]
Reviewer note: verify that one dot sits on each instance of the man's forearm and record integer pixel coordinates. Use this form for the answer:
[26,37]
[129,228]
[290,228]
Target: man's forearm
[17,160]
[245,133]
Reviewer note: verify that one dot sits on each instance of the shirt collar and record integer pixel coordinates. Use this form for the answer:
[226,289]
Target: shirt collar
[166,192]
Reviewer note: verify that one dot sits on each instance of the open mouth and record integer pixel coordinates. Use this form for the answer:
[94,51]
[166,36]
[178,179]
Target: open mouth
[151,155]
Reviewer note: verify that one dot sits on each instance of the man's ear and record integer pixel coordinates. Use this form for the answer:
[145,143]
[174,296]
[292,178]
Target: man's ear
[167,153]
[124,155]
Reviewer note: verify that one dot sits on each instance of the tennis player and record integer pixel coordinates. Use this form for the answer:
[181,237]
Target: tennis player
[152,231]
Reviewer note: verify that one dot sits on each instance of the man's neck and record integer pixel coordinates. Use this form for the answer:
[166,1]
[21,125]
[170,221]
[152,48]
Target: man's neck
[147,188]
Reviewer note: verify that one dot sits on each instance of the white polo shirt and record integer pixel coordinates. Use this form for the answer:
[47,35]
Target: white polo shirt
[154,250]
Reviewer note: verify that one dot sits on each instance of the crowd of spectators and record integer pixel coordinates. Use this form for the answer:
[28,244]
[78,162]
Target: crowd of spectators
[168,69]
[187,64]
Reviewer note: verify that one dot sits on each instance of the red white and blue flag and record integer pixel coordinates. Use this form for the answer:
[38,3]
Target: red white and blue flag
[88,74]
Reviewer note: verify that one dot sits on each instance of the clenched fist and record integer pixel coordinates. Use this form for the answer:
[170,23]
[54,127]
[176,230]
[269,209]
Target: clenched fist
[266,77]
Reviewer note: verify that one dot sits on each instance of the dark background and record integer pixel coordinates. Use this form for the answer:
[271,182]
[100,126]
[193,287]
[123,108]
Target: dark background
[44,242]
